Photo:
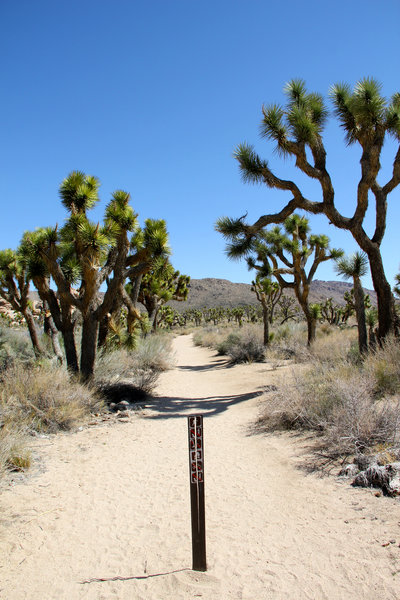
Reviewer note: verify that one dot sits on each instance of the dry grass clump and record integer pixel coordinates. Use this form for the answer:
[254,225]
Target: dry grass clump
[155,352]
[14,456]
[44,399]
[133,374]
[38,399]
[211,336]
[331,343]
[15,348]
[241,344]
[245,346]
[342,401]
[384,364]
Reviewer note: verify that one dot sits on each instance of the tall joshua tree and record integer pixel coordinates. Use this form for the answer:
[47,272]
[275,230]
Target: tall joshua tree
[366,118]
[354,267]
[90,255]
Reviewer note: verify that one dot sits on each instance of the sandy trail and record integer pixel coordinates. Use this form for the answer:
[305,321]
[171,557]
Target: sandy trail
[113,501]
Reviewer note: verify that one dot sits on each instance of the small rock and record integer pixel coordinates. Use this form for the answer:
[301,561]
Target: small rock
[122,415]
[123,405]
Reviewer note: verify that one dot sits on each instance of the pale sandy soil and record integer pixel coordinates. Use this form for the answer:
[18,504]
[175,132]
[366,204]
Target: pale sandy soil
[112,501]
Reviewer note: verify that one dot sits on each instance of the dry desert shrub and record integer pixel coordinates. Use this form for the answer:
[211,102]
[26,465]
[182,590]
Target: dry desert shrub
[384,364]
[211,336]
[133,374]
[44,399]
[241,344]
[14,455]
[15,347]
[338,400]
[331,344]
[245,346]
[155,352]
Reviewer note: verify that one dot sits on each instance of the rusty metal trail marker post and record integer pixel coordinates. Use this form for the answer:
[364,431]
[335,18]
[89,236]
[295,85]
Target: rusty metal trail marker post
[196,471]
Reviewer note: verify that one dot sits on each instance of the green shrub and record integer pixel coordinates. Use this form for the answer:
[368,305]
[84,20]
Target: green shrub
[226,345]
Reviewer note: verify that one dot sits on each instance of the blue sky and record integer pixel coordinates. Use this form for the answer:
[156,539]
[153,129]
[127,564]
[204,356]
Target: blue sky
[152,97]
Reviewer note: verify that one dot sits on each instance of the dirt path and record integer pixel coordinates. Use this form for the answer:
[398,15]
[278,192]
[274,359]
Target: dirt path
[112,502]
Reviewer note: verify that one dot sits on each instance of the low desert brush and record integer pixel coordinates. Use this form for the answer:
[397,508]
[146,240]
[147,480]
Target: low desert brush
[246,346]
[340,400]
[14,454]
[44,399]
[384,364]
[210,336]
[133,373]
[15,348]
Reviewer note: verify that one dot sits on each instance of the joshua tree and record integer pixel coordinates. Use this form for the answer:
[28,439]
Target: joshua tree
[287,309]
[90,255]
[160,285]
[354,267]
[14,288]
[285,253]
[268,294]
[367,118]
[332,313]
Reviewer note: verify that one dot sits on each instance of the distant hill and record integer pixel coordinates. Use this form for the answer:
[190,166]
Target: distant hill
[221,292]
[212,292]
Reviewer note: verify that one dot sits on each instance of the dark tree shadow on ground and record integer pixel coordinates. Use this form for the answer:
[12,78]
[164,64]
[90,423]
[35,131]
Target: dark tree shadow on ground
[216,365]
[173,408]
[312,453]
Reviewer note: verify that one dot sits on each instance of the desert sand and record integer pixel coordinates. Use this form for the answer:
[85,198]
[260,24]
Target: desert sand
[105,512]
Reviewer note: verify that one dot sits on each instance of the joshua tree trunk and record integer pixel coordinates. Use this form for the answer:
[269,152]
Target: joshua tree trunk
[67,330]
[311,329]
[360,315]
[386,311]
[51,330]
[63,318]
[266,321]
[30,321]
[90,330]
[70,348]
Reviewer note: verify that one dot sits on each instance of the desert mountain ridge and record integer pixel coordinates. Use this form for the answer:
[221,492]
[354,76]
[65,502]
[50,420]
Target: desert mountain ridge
[211,292]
